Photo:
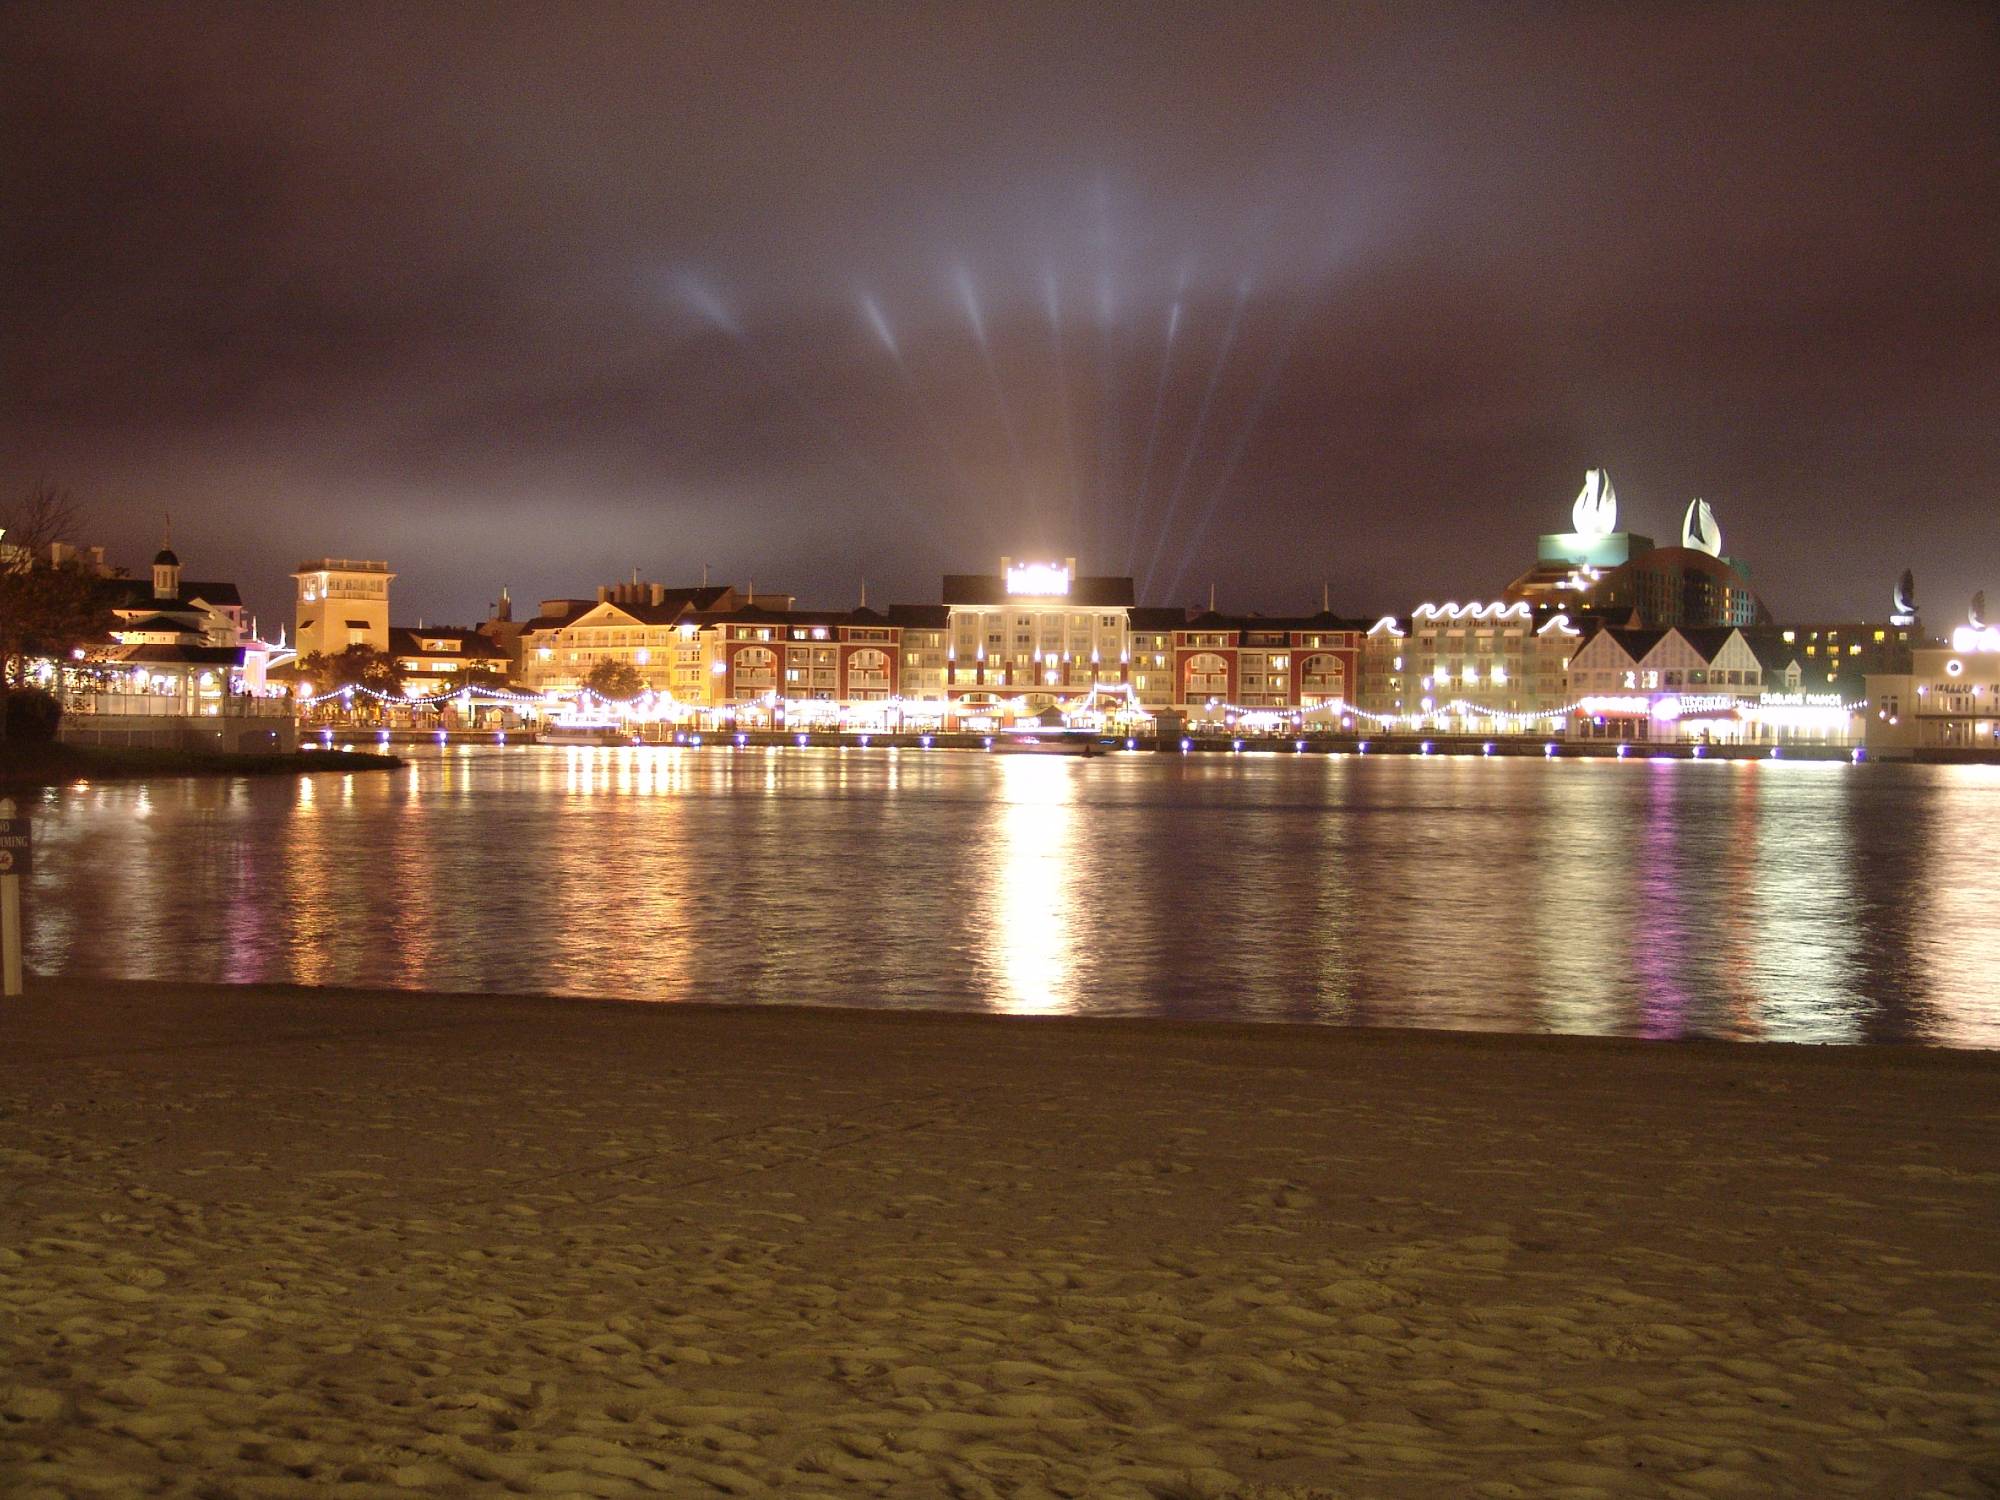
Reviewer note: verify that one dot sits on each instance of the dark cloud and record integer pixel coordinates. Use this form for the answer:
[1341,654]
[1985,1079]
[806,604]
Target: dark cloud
[536,294]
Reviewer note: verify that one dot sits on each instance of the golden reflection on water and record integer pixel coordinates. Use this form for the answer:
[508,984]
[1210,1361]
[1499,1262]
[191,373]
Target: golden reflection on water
[1799,934]
[1958,932]
[1030,941]
[1777,900]
[1579,931]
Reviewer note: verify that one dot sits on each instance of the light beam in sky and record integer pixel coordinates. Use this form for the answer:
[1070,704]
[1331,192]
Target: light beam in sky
[1195,433]
[1273,371]
[1153,429]
[968,295]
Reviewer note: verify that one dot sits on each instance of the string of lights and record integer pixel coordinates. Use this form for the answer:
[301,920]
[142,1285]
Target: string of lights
[666,705]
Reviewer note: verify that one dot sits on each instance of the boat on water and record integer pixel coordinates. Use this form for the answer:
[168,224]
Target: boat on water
[1045,741]
[587,732]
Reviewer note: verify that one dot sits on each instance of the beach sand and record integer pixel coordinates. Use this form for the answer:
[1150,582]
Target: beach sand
[281,1242]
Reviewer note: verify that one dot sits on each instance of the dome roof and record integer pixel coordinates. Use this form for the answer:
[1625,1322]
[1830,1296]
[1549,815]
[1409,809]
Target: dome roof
[165,558]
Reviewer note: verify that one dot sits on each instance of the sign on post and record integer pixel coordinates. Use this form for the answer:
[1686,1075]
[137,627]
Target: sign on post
[14,846]
[15,850]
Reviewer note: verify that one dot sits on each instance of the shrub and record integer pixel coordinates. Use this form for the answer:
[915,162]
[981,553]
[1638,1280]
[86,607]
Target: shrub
[32,715]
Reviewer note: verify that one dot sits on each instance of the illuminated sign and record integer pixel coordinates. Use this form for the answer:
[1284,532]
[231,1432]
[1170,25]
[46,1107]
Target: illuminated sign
[1693,705]
[1040,579]
[1801,700]
[1615,706]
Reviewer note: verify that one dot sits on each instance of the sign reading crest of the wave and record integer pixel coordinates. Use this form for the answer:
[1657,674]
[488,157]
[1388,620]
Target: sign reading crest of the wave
[1040,580]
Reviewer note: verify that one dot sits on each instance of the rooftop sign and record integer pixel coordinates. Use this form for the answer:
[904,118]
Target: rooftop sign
[1039,579]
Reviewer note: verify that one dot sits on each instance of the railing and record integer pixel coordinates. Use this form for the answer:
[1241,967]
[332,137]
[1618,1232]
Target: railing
[344,565]
[174,706]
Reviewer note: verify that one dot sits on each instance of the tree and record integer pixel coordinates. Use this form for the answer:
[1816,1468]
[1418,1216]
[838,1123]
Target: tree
[48,608]
[357,666]
[615,679]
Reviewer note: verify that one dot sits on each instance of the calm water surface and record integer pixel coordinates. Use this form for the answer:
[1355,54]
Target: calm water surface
[1795,902]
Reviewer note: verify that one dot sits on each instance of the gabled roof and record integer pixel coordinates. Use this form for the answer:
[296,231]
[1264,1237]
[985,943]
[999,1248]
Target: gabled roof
[137,593]
[920,616]
[470,644]
[1707,640]
[1156,618]
[206,656]
[673,604]
[1324,620]
[1636,644]
[154,624]
[1084,593]
[549,620]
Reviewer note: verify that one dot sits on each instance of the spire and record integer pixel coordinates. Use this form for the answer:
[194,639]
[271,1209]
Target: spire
[1211,596]
[864,593]
[1325,597]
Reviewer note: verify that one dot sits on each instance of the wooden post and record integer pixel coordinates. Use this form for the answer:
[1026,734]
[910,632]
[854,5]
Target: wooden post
[13,862]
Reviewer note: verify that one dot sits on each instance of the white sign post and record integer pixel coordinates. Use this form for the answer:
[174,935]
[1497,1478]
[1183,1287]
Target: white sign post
[14,848]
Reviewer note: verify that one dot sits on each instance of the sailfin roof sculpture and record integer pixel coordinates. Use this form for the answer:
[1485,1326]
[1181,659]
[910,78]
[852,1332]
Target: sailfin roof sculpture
[1906,599]
[1977,617]
[1699,531]
[1595,513]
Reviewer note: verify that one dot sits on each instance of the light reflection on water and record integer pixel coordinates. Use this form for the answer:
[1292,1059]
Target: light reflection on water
[1788,901]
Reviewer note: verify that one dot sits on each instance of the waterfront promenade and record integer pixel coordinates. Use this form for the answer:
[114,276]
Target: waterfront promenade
[279,1242]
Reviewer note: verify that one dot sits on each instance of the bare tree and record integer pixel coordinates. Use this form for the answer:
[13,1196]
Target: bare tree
[48,608]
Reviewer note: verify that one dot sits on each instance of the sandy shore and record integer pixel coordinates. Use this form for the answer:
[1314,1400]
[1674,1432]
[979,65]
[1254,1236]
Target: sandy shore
[279,1242]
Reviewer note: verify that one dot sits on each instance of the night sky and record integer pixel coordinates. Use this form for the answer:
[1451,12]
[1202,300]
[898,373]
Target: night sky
[1263,296]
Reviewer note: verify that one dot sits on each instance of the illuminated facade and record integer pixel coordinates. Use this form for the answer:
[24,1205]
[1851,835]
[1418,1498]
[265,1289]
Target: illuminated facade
[924,641]
[1035,631]
[1842,653]
[342,602]
[1260,664]
[179,638]
[1948,701]
[442,658]
[1476,668]
[653,629]
[1622,578]
[1714,685]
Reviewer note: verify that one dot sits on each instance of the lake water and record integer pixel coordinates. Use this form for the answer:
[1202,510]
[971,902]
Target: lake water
[1785,901]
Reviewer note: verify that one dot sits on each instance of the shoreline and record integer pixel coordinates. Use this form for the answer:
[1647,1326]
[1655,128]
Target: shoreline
[54,763]
[296,1240]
